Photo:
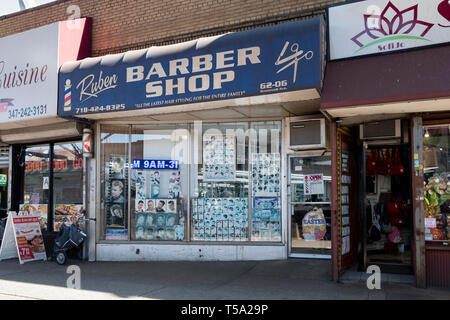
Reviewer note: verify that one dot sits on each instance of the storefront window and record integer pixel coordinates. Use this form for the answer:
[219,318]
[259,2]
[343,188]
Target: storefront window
[223,178]
[63,180]
[67,182]
[266,181]
[36,182]
[436,162]
[114,181]
[236,188]
[159,182]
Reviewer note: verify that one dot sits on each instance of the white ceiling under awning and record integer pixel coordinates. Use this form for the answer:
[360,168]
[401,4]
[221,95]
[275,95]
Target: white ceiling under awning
[274,105]
[363,113]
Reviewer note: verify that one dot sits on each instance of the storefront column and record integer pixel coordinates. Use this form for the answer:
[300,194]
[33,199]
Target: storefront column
[417,202]
[334,204]
[15,179]
[10,169]
[90,206]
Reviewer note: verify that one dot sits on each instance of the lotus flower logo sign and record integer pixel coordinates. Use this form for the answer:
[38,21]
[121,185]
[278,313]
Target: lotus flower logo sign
[444,10]
[391,25]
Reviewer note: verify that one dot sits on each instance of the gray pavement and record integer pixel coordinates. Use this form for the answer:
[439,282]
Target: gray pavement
[280,280]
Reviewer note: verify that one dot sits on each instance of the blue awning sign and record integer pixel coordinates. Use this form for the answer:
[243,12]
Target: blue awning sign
[275,59]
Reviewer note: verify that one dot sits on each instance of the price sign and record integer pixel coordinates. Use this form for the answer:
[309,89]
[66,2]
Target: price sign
[23,233]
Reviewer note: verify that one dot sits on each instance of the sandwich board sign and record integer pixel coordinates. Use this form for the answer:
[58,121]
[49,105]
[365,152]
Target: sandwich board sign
[22,238]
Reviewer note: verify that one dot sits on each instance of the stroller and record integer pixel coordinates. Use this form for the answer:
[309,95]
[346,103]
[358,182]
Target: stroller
[69,237]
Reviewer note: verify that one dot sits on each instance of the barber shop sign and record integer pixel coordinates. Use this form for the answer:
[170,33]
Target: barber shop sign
[379,26]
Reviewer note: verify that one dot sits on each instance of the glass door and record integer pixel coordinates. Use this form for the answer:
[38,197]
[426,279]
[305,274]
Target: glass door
[310,206]
[53,183]
[36,193]
[67,182]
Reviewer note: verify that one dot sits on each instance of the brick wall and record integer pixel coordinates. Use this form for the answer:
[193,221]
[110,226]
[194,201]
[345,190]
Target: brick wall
[121,25]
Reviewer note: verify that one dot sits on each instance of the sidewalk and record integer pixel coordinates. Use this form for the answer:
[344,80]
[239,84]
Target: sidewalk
[286,280]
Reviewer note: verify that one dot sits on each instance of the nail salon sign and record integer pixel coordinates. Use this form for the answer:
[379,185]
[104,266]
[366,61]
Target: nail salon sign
[380,26]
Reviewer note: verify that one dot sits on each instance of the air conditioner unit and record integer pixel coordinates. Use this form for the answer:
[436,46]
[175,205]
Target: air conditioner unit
[386,129]
[308,133]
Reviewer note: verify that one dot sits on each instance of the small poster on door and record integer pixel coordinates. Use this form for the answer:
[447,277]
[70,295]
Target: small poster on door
[345,245]
[430,223]
[314,184]
[45,183]
[314,225]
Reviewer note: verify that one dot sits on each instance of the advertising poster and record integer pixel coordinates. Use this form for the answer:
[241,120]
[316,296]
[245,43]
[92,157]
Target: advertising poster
[23,232]
[159,221]
[39,210]
[266,219]
[141,193]
[266,174]
[117,190]
[115,215]
[116,205]
[219,154]
[155,184]
[314,226]
[430,223]
[116,234]
[175,184]
[345,245]
[30,242]
[117,167]
[220,219]
[68,214]
[314,184]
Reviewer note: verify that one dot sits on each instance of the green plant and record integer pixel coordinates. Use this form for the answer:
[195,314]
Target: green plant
[436,192]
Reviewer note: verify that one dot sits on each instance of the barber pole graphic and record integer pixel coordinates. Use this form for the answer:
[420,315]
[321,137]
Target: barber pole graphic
[87,143]
[313,184]
[5,103]
[68,95]
[307,186]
